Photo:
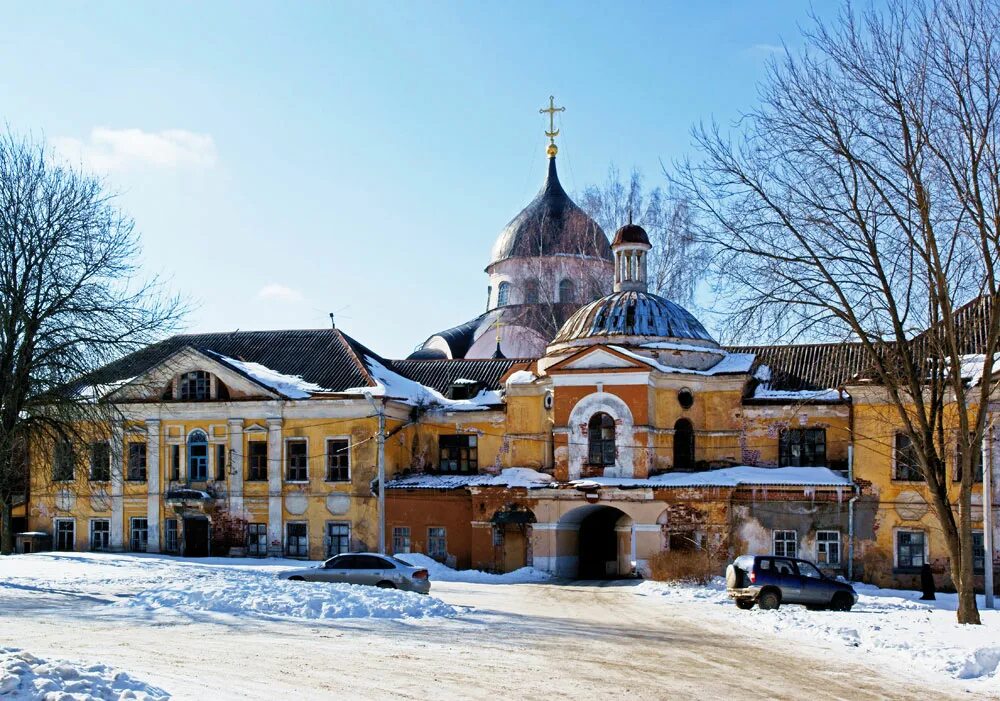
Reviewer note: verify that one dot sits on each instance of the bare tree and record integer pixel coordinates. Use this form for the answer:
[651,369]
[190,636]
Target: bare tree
[70,302]
[859,201]
[678,260]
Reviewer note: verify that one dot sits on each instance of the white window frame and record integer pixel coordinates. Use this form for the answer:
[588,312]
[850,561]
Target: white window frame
[327,542]
[131,531]
[444,539]
[895,545]
[55,532]
[284,466]
[296,523]
[409,539]
[794,541]
[90,534]
[827,548]
[326,458]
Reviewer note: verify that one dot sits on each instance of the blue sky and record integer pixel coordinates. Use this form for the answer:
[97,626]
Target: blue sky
[285,160]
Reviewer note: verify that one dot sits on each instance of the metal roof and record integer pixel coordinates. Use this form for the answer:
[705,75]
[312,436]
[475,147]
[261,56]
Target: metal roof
[632,313]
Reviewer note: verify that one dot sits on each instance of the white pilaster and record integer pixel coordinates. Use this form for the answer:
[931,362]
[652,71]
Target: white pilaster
[153,485]
[274,520]
[117,538]
[235,433]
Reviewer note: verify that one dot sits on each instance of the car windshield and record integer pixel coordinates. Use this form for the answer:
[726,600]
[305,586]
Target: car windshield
[809,570]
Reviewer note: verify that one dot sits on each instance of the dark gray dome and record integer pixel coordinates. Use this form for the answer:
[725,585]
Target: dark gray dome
[551,224]
[633,314]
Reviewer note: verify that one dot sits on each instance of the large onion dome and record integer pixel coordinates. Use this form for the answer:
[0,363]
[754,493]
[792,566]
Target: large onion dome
[632,317]
[551,224]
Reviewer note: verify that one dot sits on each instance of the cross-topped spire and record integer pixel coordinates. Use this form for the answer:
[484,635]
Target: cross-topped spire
[552,133]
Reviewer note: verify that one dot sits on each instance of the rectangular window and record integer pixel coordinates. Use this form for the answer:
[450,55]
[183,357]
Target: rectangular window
[100,534]
[220,462]
[802,447]
[139,539]
[977,461]
[905,459]
[256,539]
[136,462]
[257,461]
[297,460]
[437,543]
[828,548]
[338,461]
[63,462]
[338,538]
[910,549]
[296,540]
[497,537]
[65,534]
[978,552]
[400,540]
[171,543]
[785,544]
[100,462]
[175,463]
[458,453]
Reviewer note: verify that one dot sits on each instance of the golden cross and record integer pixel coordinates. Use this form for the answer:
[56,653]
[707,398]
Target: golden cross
[552,133]
[496,325]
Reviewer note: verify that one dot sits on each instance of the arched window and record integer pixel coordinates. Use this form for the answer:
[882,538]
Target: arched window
[195,386]
[683,445]
[567,291]
[503,294]
[531,292]
[197,449]
[601,439]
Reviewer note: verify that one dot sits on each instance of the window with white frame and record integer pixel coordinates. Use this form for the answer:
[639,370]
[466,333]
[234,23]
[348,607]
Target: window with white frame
[256,539]
[297,460]
[220,462]
[257,461]
[139,530]
[904,456]
[65,534]
[338,460]
[338,538]
[437,543]
[828,548]
[171,541]
[195,386]
[400,540]
[197,456]
[175,463]
[911,550]
[296,540]
[785,543]
[100,534]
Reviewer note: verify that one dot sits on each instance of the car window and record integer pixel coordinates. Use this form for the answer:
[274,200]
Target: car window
[333,563]
[346,562]
[808,570]
[765,563]
[372,562]
[401,563]
[783,567]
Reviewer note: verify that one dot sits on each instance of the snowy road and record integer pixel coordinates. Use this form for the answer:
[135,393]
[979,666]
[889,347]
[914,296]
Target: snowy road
[551,640]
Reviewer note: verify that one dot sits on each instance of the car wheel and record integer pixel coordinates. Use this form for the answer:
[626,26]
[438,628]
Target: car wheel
[745,604]
[296,578]
[768,600]
[385,585]
[841,602]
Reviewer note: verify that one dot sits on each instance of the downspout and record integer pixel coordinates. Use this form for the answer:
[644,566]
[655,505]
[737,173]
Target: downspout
[854,498]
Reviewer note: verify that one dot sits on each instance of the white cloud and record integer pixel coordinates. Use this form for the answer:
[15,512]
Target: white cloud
[767,49]
[280,293]
[120,149]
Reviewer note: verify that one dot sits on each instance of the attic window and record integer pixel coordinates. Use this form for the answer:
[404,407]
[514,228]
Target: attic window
[462,389]
[195,386]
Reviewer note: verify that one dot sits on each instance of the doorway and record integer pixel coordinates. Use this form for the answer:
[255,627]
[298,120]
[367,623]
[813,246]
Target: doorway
[196,537]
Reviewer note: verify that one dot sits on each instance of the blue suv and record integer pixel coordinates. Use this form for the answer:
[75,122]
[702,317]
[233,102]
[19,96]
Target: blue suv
[770,581]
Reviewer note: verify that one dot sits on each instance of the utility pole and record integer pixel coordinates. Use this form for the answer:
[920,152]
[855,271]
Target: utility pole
[380,438]
[987,463]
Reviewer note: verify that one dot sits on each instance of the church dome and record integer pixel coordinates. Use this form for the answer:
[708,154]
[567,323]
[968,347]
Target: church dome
[551,225]
[632,317]
[631,233]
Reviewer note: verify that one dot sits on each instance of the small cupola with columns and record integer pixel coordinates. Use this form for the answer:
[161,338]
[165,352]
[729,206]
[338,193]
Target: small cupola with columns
[631,247]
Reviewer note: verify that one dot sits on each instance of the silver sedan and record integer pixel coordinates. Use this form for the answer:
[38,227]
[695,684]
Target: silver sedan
[372,569]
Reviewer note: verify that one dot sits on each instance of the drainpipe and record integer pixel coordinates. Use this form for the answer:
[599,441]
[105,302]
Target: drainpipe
[987,463]
[850,510]
[380,438]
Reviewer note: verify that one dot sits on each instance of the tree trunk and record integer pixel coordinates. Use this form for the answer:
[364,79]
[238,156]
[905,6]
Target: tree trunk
[6,526]
[959,558]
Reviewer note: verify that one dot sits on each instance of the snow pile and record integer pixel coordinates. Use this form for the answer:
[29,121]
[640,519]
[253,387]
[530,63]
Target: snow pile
[524,477]
[291,386]
[443,573]
[521,377]
[887,624]
[728,477]
[262,595]
[393,385]
[805,395]
[520,477]
[24,676]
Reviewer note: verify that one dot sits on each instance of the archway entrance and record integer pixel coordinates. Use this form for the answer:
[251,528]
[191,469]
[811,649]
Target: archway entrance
[603,543]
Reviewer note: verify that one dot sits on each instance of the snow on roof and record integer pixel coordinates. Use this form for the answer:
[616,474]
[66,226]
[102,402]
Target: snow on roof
[521,377]
[291,386]
[392,385]
[731,363]
[804,395]
[511,477]
[972,367]
[729,477]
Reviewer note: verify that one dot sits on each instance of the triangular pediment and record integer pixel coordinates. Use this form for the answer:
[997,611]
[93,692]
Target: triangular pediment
[599,358]
[151,384]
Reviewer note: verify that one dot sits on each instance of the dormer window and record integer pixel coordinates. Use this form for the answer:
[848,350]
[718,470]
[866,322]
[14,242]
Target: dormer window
[195,386]
[462,389]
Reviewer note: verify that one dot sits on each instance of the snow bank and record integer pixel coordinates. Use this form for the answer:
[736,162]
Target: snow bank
[263,595]
[443,573]
[888,625]
[24,676]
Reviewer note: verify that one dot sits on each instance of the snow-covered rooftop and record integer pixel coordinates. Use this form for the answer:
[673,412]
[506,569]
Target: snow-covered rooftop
[392,385]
